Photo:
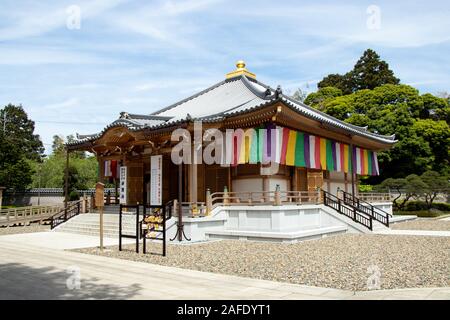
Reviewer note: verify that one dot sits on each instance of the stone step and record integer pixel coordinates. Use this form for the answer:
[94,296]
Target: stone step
[91,228]
[281,236]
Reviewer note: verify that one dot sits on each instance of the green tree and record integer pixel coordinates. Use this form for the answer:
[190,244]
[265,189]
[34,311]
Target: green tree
[318,98]
[437,135]
[405,188]
[369,72]
[50,173]
[435,183]
[15,170]
[423,143]
[341,82]
[58,145]
[19,130]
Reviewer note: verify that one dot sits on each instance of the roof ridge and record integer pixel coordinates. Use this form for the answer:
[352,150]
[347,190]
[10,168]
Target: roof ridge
[190,98]
[144,116]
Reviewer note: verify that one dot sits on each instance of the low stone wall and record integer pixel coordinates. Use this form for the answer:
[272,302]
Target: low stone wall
[265,219]
[385,206]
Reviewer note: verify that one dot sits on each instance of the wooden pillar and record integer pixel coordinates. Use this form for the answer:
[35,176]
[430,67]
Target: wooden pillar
[193,182]
[352,170]
[294,180]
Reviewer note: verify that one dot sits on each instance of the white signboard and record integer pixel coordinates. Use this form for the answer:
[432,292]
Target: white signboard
[123,185]
[156,180]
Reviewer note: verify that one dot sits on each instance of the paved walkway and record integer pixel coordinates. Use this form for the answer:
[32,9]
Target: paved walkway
[35,270]
[431,233]
[61,240]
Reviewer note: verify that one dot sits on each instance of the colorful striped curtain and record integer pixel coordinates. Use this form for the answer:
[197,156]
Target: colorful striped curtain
[294,148]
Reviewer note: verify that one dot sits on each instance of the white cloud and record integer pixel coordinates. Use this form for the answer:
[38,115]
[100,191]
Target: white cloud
[37,18]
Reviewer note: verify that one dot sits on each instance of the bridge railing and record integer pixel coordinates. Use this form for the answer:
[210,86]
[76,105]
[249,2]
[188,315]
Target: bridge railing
[23,215]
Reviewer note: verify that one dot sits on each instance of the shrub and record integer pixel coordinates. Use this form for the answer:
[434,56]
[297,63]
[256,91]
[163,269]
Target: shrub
[442,206]
[73,196]
[415,206]
[420,214]
[422,206]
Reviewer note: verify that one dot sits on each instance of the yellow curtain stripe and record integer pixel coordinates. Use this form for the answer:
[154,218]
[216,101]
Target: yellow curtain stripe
[346,158]
[323,153]
[290,153]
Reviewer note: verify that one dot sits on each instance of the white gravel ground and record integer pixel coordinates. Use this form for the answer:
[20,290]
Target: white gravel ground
[423,224]
[337,262]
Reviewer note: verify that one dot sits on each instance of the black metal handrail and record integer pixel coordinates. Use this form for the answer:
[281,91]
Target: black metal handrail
[366,207]
[348,210]
[72,210]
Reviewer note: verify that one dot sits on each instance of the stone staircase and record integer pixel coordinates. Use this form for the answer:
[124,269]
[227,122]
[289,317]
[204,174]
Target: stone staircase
[89,224]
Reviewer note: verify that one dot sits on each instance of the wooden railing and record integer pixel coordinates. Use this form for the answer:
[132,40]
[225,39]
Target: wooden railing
[375,197]
[365,207]
[189,209]
[73,209]
[262,198]
[24,215]
[346,209]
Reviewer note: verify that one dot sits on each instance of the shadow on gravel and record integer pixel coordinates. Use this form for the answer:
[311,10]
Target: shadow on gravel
[18,281]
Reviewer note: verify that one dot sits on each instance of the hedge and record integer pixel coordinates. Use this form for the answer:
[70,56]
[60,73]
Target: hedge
[422,206]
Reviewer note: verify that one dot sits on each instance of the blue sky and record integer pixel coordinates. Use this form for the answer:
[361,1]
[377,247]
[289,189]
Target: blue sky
[138,56]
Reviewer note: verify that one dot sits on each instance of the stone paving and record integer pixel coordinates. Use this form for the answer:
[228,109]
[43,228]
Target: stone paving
[37,270]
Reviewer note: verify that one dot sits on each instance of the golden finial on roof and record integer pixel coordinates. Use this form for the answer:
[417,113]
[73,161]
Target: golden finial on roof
[240,65]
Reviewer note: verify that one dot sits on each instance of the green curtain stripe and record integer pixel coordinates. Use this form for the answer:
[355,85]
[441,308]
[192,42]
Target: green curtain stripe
[260,144]
[369,154]
[300,150]
[330,163]
[254,148]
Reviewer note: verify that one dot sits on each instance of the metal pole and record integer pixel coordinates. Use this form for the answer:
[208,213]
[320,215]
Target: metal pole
[39,185]
[180,199]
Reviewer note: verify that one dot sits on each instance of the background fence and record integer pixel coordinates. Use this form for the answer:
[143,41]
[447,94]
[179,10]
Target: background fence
[42,196]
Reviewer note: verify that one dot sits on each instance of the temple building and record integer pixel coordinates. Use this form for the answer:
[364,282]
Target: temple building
[312,152]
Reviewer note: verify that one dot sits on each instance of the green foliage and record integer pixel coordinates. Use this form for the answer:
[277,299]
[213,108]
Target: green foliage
[15,169]
[369,72]
[58,145]
[422,205]
[423,143]
[73,195]
[19,146]
[51,172]
[406,188]
[323,94]
[426,186]
[435,184]
[420,214]
[365,188]
[19,130]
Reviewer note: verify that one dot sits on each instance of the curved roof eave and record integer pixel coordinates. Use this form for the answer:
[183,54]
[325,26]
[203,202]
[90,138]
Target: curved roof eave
[270,96]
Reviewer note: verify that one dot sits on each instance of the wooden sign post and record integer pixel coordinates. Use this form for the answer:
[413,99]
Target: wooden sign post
[100,203]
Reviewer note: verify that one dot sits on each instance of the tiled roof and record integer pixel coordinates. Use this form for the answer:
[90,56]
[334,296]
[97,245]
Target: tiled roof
[225,99]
